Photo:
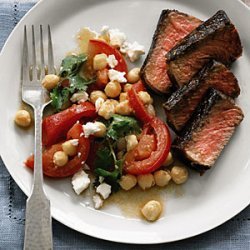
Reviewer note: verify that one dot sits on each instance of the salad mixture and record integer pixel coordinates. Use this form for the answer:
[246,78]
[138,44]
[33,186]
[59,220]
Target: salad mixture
[104,123]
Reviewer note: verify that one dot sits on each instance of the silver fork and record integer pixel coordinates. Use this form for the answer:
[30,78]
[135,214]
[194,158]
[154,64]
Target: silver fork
[38,230]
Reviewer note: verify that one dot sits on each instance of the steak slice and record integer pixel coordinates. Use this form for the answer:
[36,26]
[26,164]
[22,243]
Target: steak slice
[216,38]
[208,131]
[181,104]
[172,26]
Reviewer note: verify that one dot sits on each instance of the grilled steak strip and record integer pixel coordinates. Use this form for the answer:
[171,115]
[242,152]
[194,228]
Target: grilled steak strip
[216,38]
[172,26]
[208,131]
[181,104]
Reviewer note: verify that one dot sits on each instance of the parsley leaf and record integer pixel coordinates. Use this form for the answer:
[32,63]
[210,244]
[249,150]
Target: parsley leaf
[70,70]
[121,126]
[107,166]
[71,64]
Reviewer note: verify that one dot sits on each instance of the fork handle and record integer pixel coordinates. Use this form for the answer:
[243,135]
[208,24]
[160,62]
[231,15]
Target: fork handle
[38,229]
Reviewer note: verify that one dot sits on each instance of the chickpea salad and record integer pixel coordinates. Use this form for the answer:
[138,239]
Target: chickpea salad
[104,131]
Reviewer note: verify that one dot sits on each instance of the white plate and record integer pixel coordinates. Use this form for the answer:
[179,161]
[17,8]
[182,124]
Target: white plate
[207,201]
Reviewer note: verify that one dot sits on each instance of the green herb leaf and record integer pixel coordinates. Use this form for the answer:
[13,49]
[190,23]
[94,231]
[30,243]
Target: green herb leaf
[70,70]
[104,158]
[71,64]
[122,126]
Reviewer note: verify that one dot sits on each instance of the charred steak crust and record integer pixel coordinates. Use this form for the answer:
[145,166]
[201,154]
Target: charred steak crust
[163,85]
[186,145]
[181,104]
[216,38]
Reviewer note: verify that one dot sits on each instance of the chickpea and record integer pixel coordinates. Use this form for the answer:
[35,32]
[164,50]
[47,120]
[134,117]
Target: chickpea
[123,97]
[127,182]
[100,61]
[113,89]
[179,174]
[145,97]
[97,94]
[123,108]
[49,82]
[162,178]
[127,87]
[22,118]
[169,160]
[131,142]
[107,109]
[152,210]
[146,181]
[121,144]
[70,147]
[60,158]
[102,131]
[151,109]
[134,75]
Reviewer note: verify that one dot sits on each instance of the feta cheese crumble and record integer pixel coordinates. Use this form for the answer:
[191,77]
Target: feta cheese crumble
[90,128]
[98,202]
[80,181]
[98,103]
[104,190]
[115,75]
[74,142]
[117,38]
[112,62]
[133,50]
[79,96]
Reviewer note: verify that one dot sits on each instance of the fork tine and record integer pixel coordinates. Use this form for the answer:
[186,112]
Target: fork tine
[25,59]
[42,53]
[51,69]
[34,69]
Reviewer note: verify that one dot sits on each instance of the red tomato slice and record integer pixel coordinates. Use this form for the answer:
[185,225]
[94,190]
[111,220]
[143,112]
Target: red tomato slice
[98,46]
[133,164]
[139,86]
[73,165]
[55,127]
[137,105]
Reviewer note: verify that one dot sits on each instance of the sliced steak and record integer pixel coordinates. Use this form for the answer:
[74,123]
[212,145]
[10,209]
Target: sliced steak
[172,26]
[208,130]
[216,38]
[181,104]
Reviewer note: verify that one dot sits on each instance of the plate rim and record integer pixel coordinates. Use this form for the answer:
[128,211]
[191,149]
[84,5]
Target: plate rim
[60,218]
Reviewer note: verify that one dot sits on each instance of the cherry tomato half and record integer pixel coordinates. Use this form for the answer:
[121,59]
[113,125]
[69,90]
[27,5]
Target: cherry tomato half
[55,127]
[156,153]
[98,46]
[74,164]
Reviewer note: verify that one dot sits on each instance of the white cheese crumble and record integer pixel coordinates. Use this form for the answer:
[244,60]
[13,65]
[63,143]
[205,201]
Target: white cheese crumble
[74,142]
[98,103]
[104,190]
[112,62]
[115,75]
[117,38]
[105,30]
[80,181]
[98,202]
[79,96]
[133,50]
[90,128]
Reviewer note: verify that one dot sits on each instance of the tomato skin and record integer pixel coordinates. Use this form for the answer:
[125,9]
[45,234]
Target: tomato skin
[137,105]
[74,165]
[139,86]
[98,46]
[55,127]
[163,142]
